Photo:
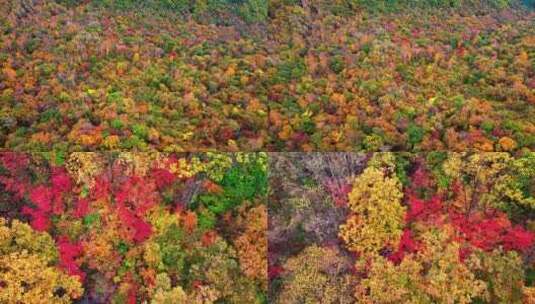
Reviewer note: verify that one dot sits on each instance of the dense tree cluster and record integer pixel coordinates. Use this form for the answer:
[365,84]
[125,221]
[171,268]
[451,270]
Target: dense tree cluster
[133,227]
[312,75]
[438,227]
[161,151]
[29,272]
[419,79]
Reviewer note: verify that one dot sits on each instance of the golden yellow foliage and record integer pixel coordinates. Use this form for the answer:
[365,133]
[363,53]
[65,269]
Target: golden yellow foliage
[317,275]
[101,254]
[218,269]
[434,275]
[27,270]
[152,254]
[167,295]
[28,278]
[111,142]
[83,167]
[503,272]
[21,237]
[137,163]
[377,218]
[10,74]
[185,169]
[494,177]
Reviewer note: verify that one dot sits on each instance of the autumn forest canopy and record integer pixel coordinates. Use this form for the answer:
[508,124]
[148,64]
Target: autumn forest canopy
[249,75]
[399,228]
[267,152]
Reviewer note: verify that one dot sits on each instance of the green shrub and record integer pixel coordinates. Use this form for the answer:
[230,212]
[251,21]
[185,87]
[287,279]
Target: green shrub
[415,134]
[140,131]
[117,124]
[242,182]
[49,115]
[337,64]
[254,10]
[345,7]
[487,126]
[402,167]
[206,220]
[290,70]
[171,248]
[90,219]
[211,10]
[134,142]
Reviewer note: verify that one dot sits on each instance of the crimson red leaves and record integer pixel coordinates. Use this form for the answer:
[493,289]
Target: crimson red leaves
[490,232]
[441,226]
[139,227]
[68,255]
[40,220]
[82,208]
[406,245]
[163,178]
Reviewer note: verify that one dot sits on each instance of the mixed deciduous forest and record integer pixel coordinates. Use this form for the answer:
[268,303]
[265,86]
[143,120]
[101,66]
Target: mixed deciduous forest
[267,151]
[253,75]
[440,227]
[288,228]
[133,228]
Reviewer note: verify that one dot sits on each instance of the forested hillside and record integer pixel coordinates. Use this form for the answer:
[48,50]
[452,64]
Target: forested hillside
[253,75]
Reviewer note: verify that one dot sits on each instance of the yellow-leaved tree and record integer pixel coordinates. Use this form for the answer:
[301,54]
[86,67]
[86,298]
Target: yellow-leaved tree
[317,275]
[377,215]
[28,272]
[433,275]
